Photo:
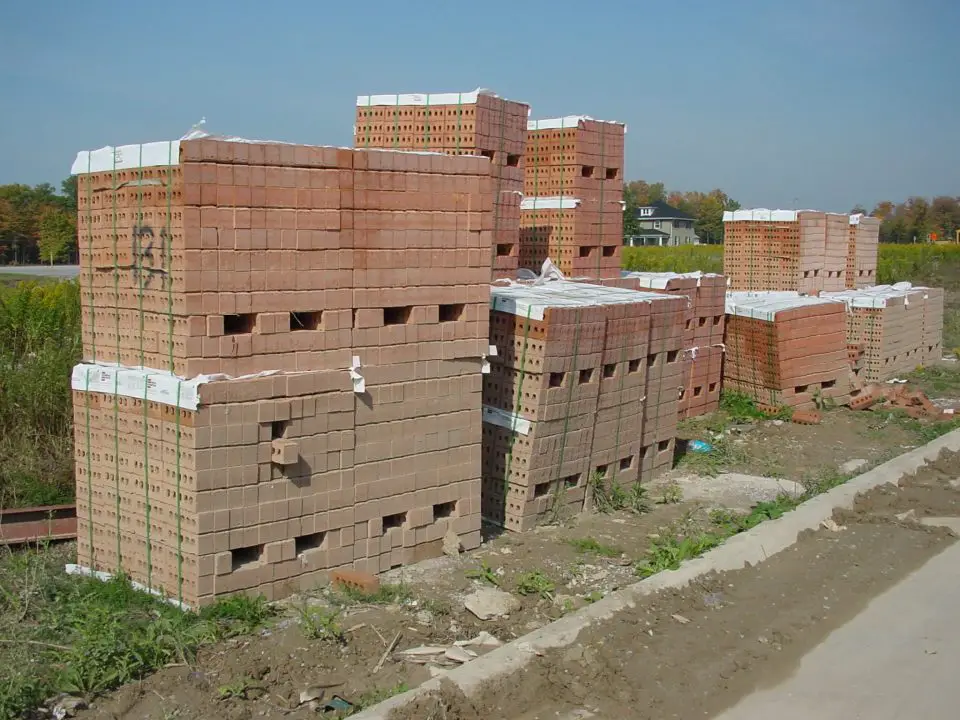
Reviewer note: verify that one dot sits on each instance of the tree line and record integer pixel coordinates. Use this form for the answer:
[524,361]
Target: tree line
[918,219]
[38,224]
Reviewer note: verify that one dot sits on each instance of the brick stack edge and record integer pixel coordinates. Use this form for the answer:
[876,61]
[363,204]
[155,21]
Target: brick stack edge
[584,386]
[474,123]
[704,323]
[572,211]
[898,328]
[783,349]
[243,257]
[805,251]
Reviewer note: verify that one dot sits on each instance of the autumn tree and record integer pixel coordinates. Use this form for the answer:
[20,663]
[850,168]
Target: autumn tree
[57,235]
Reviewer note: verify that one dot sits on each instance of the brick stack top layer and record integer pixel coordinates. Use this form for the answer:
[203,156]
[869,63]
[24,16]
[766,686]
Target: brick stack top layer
[209,255]
[862,252]
[473,123]
[782,340]
[899,326]
[786,250]
[576,156]
[477,122]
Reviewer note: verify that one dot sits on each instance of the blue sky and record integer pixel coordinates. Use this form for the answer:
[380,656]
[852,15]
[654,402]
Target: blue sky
[811,103]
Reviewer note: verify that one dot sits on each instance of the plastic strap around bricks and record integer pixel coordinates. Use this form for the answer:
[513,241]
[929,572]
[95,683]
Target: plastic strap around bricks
[497,199]
[459,119]
[563,163]
[558,481]
[116,402]
[86,396]
[603,182]
[396,124]
[366,141]
[623,377]
[179,513]
[138,235]
[93,349]
[146,483]
[89,220]
[517,405]
[426,124]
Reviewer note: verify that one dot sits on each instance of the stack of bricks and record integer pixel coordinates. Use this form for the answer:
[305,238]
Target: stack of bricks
[702,356]
[783,349]
[581,389]
[473,123]
[572,212]
[785,250]
[862,251]
[353,285]
[899,327]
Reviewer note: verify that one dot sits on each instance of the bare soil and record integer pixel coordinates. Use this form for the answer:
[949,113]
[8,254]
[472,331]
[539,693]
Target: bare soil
[695,652]
[265,674]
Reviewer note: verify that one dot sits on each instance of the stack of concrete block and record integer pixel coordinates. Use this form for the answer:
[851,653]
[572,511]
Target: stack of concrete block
[899,327]
[350,288]
[572,212]
[863,245]
[583,387]
[785,250]
[472,123]
[784,349]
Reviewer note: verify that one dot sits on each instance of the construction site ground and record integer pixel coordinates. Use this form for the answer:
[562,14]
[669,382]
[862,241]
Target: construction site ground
[357,644]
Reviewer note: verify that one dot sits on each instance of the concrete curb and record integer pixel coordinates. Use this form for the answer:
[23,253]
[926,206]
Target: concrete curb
[753,546]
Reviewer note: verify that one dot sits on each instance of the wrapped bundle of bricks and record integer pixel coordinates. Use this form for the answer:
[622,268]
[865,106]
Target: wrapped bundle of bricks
[471,123]
[862,251]
[784,349]
[899,327]
[804,251]
[572,211]
[582,393]
[702,356]
[350,289]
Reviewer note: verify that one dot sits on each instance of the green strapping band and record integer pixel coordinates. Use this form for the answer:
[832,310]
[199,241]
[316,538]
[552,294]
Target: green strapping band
[179,528]
[426,127]
[517,405]
[116,403]
[168,251]
[93,317]
[396,123]
[146,478]
[86,395]
[139,248]
[623,377]
[563,164]
[459,118]
[500,170]
[366,142]
[566,418]
[603,182]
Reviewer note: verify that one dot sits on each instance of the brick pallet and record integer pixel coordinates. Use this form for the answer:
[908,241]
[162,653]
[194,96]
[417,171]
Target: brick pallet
[786,250]
[899,327]
[584,385]
[473,123]
[783,349]
[353,286]
[573,189]
[702,355]
[863,245]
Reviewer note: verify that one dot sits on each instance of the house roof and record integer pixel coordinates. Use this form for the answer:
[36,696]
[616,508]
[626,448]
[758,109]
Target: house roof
[648,232]
[662,211]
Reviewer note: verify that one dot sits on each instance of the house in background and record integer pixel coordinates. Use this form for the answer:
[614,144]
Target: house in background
[662,224]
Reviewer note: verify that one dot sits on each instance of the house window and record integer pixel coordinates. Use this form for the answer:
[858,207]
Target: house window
[656,224]
[645,212]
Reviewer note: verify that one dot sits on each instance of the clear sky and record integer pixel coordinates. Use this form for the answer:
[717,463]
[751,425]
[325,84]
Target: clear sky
[809,103]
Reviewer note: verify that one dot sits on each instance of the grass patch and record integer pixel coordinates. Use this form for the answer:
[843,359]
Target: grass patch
[937,380]
[377,695]
[386,594]
[610,496]
[592,546]
[484,573]
[320,624]
[39,345]
[536,583]
[77,635]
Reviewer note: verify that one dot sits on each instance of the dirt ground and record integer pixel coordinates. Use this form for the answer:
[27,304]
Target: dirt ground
[581,560]
[695,652]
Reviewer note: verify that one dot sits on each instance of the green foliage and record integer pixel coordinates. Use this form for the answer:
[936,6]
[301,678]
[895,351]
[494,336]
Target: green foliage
[238,614]
[668,552]
[237,689]
[685,258]
[377,695]
[320,624]
[21,210]
[672,494]
[536,583]
[57,235]
[386,594]
[485,573]
[592,546]
[82,636]
[39,345]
